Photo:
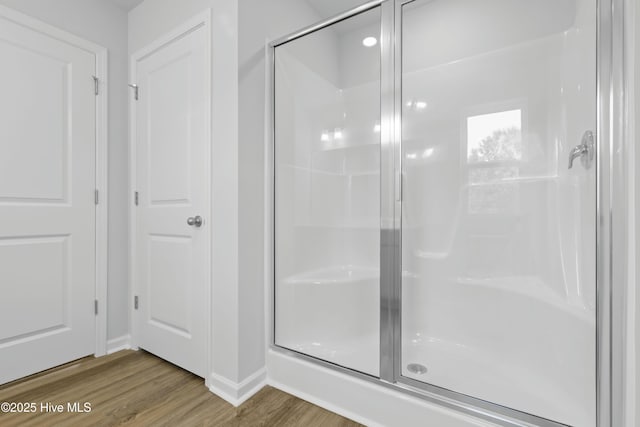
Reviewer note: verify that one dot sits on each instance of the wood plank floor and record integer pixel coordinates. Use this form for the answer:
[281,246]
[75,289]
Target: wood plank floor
[135,388]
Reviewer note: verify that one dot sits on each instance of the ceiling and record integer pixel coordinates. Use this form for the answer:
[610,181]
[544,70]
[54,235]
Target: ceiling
[324,8]
[329,8]
[127,4]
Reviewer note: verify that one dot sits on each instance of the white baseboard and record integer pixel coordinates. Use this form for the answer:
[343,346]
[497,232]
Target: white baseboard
[362,401]
[118,344]
[237,393]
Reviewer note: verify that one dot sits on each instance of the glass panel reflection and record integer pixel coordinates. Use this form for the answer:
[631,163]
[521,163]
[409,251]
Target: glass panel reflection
[327,166]
[498,236]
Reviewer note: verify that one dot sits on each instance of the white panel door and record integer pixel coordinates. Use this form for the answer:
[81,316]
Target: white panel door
[47,210]
[172,256]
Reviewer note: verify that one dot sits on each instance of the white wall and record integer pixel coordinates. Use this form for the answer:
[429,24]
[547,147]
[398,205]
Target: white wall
[104,23]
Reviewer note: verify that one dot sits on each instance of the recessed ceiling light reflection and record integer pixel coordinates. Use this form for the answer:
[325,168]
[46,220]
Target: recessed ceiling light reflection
[376,128]
[337,133]
[324,136]
[369,41]
[416,105]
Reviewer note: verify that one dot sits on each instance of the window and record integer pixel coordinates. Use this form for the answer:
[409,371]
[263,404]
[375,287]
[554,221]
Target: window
[494,154]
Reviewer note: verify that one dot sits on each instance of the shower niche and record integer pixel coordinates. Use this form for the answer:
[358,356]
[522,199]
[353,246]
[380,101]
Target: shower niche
[427,229]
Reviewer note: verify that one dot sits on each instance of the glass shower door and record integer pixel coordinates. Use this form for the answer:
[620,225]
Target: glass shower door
[498,228]
[327,193]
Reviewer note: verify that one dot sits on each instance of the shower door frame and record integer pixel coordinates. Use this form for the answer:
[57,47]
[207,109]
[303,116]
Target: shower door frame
[610,207]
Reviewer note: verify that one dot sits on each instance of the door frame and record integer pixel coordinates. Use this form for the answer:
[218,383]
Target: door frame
[613,171]
[203,20]
[101,160]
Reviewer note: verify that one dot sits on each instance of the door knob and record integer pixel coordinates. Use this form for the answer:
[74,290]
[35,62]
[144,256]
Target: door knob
[196,221]
[586,151]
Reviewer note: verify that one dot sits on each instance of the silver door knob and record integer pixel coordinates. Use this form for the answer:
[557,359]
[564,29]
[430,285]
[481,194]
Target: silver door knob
[585,151]
[196,221]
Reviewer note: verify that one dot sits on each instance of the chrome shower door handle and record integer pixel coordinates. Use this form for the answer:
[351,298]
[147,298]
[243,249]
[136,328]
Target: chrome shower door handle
[586,151]
[196,221]
[576,152]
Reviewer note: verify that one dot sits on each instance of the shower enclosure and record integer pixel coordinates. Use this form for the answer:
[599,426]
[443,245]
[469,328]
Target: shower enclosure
[436,201]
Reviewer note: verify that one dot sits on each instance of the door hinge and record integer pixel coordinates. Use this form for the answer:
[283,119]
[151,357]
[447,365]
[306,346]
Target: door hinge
[95,306]
[96,85]
[135,198]
[97,196]
[135,302]
[135,90]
